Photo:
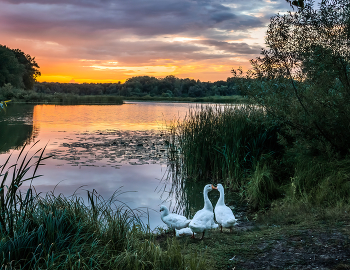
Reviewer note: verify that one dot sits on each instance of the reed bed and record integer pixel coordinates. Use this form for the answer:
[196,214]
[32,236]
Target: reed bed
[240,147]
[230,144]
[58,232]
[221,143]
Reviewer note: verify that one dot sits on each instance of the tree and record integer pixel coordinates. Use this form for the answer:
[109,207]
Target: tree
[11,71]
[303,77]
[31,68]
[17,68]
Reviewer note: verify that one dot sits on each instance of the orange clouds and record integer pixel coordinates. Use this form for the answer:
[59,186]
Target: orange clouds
[110,41]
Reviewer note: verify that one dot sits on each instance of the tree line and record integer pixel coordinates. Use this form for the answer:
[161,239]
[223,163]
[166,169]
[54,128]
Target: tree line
[141,86]
[20,70]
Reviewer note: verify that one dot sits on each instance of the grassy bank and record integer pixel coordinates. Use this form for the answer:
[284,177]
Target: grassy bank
[57,232]
[310,238]
[65,99]
[237,99]
[248,152]
[8,92]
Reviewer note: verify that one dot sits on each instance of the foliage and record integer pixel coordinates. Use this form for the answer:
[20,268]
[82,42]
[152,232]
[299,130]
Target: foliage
[11,71]
[17,68]
[56,232]
[302,79]
[30,96]
[31,68]
[231,145]
[142,86]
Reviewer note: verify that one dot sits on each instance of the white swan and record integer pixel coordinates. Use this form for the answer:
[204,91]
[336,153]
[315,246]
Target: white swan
[204,219]
[223,214]
[184,231]
[174,221]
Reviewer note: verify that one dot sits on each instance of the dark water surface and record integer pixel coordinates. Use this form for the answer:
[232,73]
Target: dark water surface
[101,147]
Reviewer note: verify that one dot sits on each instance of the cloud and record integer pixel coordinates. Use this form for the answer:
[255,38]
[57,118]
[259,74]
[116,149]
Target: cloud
[136,31]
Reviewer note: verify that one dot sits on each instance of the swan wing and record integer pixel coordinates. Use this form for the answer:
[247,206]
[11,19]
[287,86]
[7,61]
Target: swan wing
[223,213]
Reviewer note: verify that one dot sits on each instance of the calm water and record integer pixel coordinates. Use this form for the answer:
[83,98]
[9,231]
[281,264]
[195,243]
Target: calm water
[101,147]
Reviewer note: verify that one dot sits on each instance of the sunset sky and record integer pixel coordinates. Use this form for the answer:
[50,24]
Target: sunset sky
[112,40]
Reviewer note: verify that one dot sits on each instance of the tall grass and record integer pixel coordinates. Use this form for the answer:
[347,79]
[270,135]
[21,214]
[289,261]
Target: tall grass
[321,182]
[222,143]
[228,144]
[58,232]
[240,147]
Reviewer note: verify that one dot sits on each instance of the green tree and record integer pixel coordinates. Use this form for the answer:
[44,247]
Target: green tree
[17,68]
[11,71]
[31,68]
[303,78]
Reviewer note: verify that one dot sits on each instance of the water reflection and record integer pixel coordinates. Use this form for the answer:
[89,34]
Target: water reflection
[184,196]
[16,127]
[104,147]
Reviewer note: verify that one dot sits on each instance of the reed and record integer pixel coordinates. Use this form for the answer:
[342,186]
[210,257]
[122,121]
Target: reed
[240,147]
[221,143]
[58,232]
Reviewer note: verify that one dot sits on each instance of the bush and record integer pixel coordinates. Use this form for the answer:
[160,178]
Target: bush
[303,79]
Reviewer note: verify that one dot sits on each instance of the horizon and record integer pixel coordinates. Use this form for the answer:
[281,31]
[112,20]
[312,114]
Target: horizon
[85,41]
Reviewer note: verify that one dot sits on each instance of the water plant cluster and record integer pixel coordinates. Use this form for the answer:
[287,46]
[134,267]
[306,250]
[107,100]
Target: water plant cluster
[58,232]
[227,144]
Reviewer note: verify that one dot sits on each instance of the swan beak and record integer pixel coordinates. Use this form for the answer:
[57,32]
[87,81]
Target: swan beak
[212,187]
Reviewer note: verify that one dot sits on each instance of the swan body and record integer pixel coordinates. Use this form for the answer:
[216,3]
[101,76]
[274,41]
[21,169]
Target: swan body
[204,219]
[184,231]
[174,221]
[223,214]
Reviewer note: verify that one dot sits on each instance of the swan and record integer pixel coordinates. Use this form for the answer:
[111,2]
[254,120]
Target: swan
[223,214]
[184,231]
[174,221]
[204,219]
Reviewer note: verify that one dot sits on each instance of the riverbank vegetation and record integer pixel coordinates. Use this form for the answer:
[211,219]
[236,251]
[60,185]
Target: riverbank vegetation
[18,83]
[58,232]
[67,97]
[293,144]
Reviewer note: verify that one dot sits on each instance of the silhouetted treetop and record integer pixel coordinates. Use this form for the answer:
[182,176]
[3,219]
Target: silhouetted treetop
[17,68]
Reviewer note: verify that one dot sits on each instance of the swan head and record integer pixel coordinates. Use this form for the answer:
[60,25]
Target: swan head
[163,208]
[219,187]
[208,188]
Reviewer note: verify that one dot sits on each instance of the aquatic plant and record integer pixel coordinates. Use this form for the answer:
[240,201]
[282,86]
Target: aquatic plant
[230,144]
[221,143]
[58,232]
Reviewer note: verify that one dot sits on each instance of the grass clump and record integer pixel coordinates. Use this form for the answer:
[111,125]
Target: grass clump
[58,232]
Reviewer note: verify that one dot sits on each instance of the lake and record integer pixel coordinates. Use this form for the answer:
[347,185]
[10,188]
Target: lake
[103,148]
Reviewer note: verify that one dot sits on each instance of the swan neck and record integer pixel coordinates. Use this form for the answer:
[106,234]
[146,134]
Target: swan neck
[165,212]
[207,202]
[221,200]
